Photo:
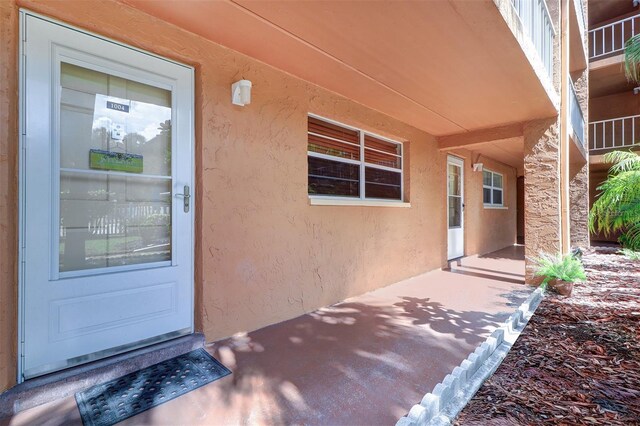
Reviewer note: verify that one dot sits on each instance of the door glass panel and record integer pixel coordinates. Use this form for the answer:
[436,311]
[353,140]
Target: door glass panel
[455,212]
[115,171]
[454,180]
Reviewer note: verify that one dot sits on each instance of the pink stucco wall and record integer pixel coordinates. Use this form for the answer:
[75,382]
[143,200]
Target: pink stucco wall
[263,253]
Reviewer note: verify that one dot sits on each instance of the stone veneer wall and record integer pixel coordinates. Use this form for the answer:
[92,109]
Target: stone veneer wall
[542,171]
[579,167]
[579,202]
[541,189]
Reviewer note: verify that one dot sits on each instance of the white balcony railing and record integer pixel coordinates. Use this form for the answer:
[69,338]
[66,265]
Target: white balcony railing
[538,26]
[577,119]
[611,38]
[617,133]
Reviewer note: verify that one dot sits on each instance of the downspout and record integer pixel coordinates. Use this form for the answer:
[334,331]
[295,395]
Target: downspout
[565,238]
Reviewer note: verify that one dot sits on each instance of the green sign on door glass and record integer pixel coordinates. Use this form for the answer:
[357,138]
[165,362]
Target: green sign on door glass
[107,160]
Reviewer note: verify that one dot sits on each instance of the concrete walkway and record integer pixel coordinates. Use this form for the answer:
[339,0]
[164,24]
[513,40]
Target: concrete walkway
[366,360]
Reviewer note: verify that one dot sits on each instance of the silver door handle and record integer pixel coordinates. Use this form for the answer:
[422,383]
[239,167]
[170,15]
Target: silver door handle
[185,198]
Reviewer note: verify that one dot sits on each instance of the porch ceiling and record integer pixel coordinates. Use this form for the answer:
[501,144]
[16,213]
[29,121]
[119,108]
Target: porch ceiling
[604,10]
[504,144]
[445,67]
[508,151]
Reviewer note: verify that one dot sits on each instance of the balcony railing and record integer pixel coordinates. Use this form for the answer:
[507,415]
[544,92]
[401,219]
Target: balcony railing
[617,133]
[577,119]
[538,26]
[611,38]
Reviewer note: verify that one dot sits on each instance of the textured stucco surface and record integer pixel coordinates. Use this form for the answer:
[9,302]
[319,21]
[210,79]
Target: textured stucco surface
[579,172]
[579,202]
[263,253]
[8,192]
[542,189]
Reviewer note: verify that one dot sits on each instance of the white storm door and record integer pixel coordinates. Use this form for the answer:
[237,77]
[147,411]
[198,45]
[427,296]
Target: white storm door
[455,207]
[107,230]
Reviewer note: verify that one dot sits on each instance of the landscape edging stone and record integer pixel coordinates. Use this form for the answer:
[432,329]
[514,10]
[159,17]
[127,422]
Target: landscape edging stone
[450,396]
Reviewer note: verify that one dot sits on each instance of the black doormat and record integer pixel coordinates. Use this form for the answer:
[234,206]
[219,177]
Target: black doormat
[119,399]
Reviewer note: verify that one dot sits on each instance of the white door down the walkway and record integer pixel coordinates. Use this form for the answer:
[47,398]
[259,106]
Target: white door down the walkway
[455,207]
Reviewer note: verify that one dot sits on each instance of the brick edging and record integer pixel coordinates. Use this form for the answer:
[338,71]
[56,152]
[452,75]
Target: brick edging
[449,397]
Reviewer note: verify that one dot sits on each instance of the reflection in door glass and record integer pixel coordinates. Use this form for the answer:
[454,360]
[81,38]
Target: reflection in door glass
[115,179]
[455,212]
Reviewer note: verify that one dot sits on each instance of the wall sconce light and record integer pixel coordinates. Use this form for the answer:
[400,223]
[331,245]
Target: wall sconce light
[477,167]
[636,90]
[241,92]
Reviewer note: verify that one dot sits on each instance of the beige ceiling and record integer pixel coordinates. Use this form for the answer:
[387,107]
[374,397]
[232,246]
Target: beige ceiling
[509,151]
[446,66]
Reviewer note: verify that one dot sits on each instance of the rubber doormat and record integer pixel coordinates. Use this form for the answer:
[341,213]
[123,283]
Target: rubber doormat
[119,399]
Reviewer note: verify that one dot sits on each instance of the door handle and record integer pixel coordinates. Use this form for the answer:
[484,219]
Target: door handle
[185,198]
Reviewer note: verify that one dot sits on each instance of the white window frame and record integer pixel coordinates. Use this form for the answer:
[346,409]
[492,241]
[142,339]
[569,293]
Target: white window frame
[361,200]
[492,188]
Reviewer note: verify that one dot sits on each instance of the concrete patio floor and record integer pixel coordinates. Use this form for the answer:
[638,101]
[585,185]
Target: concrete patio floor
[366,360]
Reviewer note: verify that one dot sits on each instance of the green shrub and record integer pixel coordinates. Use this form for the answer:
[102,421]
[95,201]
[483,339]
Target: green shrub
[565,268]
[628,243]
[617,205]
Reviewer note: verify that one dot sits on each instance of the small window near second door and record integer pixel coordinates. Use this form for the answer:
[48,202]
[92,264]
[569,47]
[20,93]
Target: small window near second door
[492,189]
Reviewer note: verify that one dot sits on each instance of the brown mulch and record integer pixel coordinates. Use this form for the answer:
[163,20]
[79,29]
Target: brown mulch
[577,361]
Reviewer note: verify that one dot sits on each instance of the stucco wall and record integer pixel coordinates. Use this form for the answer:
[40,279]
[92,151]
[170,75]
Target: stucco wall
[579,171]
[263,253]
[8,192]
[614,106]
[579,203]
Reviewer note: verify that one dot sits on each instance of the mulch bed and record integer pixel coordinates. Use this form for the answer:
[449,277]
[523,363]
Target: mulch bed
[577,361]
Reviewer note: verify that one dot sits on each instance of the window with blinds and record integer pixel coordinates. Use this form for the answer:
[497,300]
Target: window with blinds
[348,162]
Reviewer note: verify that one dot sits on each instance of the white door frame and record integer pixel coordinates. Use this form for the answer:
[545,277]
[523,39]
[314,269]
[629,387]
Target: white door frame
[24,14]
[459,162]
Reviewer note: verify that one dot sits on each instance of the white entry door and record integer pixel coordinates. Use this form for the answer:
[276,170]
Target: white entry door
[107,173]
[455,207]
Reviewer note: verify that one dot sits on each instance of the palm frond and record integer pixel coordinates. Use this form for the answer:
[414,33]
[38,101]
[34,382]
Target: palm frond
[622,161]
[632,59]
[617,207]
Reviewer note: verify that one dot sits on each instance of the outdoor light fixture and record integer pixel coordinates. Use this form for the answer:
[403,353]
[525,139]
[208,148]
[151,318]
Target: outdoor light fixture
[477,167]
[241,92]
[636,90]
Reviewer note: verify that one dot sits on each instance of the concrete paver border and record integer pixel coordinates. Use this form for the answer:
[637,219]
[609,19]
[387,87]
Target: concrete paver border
[449,397]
